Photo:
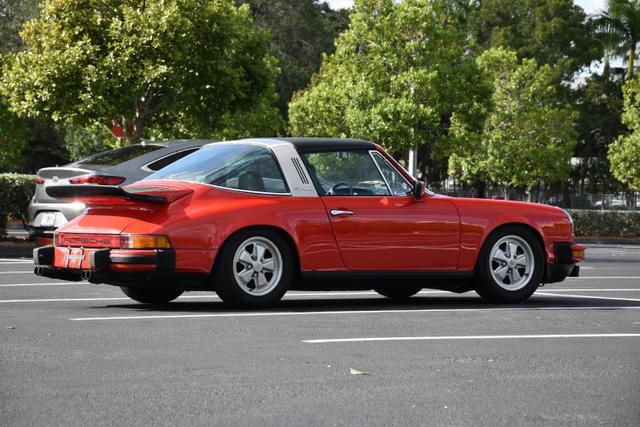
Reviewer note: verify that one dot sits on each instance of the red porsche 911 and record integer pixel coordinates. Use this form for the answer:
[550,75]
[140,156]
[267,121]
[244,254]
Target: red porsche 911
[251,219]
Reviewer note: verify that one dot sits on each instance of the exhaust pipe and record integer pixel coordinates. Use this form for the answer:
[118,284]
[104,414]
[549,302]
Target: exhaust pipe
[86,275]
[38,271]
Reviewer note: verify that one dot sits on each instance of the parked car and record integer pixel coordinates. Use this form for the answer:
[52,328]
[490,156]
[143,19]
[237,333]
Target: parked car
[114,167]
[251,219]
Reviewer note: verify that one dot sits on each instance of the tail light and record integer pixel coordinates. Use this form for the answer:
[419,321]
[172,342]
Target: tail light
[144,241]
[114,241]
[39,180]
[98,179]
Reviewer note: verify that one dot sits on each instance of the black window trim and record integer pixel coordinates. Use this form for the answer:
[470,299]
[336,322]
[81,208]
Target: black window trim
[373,153]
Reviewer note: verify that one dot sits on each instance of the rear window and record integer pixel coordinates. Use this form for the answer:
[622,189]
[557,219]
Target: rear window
[163,162]
[119,155]
[235,166]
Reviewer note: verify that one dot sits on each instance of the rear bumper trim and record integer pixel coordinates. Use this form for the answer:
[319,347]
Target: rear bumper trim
[101,259]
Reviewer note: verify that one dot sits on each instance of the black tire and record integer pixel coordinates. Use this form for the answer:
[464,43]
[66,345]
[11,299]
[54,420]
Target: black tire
[231,290]
[398,293]
[151,295]
[488,286]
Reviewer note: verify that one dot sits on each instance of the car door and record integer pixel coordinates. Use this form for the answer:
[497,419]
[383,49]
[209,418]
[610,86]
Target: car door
[377,223]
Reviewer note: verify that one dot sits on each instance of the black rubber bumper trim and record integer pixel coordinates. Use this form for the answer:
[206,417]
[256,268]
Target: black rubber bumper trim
[564,253]
[558,272]
[164,260]
[132,259]
[101,259]
[44,255]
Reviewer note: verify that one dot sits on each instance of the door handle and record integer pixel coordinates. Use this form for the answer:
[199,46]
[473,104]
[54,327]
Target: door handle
[338,212]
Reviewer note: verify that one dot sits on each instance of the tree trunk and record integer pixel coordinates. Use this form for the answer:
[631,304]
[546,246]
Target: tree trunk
[632,60]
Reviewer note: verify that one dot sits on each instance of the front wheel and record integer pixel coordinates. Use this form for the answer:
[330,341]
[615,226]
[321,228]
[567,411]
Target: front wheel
[510,265]
[254,269]
[398,293]
[151,295]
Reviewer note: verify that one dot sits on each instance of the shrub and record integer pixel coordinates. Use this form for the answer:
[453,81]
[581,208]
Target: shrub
[15,193]
[606,223]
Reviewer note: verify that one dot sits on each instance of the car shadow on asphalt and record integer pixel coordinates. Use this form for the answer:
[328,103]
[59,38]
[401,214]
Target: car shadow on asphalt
[333,304]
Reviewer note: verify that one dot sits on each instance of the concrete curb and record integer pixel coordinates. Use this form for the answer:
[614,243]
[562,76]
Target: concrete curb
[607,241]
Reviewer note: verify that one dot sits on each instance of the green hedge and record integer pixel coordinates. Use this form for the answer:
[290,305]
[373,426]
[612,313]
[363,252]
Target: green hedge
[15,193]
[605,223]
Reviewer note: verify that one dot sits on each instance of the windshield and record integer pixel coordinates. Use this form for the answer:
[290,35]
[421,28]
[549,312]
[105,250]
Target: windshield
[119,155]
[235,166]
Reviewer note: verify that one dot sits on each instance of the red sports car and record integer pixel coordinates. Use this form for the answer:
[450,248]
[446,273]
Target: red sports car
[251,219]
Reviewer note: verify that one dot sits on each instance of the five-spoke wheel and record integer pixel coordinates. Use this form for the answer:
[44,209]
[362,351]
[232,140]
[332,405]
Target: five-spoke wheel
[510,265]
[257,266]
[512,262]
[254,268]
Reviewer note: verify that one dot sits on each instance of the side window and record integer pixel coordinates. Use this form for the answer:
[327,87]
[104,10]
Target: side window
[166,161]
[253,170]
[346,173]
[397,183]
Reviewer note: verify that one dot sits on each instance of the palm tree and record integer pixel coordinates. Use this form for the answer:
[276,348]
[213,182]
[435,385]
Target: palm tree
[619,25]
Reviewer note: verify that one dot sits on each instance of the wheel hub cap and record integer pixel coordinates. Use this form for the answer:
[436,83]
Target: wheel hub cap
[511,263]
[257,266]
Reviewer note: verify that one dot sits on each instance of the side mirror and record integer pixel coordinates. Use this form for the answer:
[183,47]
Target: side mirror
[418,190]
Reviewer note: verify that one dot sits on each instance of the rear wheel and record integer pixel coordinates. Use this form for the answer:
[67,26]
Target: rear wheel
[151,295]
[510,265]
[398,292]
[254,269]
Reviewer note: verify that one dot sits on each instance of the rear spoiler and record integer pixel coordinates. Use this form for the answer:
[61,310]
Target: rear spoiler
[99,194]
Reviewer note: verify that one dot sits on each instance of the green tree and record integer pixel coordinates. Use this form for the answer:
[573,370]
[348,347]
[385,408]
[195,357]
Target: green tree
[554,32]
[13,13]
[301,32]
[599,106]
[398,74]
[624,154]
[525,139]
[184,68]
[619,25]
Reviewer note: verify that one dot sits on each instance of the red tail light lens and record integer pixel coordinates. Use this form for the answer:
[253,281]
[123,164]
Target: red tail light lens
[98,179]
[39,180]
[113,241]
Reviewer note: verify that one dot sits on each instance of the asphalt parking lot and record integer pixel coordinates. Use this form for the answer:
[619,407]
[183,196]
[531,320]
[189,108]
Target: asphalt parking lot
[80,354]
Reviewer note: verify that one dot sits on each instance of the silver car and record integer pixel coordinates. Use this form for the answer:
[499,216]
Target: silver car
[114,167]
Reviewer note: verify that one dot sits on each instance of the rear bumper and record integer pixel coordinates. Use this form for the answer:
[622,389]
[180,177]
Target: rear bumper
[64,212]
[567,255]
[155,268]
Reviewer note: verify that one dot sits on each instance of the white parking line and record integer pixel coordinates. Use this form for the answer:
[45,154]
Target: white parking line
[338,312]
[43,284]
[18,272]
[469,337]
[586,296]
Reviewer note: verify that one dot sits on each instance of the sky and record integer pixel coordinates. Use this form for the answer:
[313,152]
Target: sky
[590,6]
